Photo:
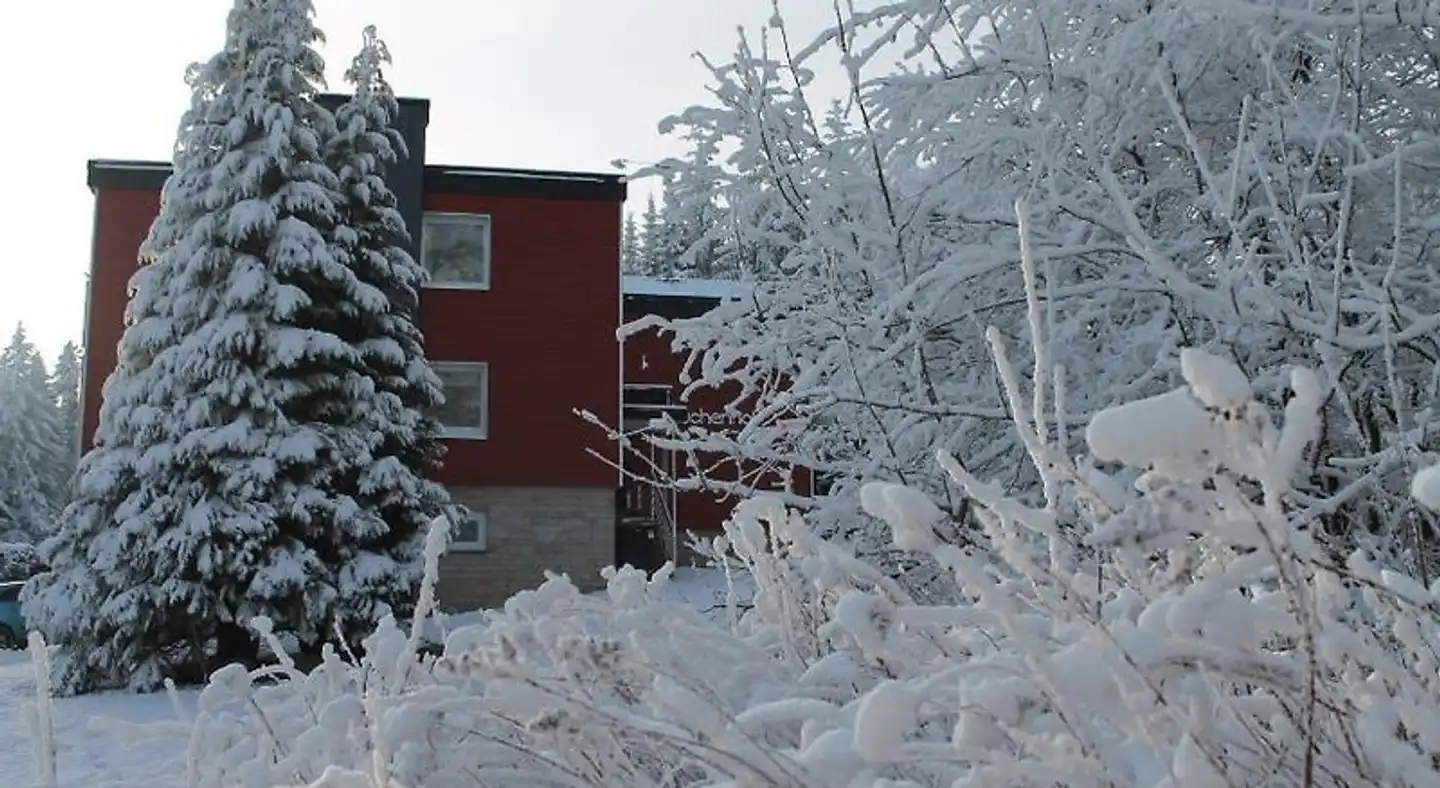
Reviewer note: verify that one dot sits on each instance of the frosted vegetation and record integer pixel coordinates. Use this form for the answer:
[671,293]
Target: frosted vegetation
[1113,326]
[1254,179]
[39,420]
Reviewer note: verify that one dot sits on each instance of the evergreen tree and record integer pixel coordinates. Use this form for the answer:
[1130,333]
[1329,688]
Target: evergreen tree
[630,246]
[677,237]
[682,241]
[666,242]
[30,443]
[217,486]
[65,391]
[382,566]
[648,261]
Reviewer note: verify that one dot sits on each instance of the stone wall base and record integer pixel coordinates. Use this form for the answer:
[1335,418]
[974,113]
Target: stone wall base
[569,530]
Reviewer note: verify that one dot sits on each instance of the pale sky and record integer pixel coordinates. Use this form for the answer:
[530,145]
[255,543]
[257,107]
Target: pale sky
[561,84]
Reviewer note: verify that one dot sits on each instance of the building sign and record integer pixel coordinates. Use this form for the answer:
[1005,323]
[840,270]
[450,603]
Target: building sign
[714,418]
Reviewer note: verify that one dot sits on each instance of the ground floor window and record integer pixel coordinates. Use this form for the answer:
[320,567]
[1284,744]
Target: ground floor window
[472,535]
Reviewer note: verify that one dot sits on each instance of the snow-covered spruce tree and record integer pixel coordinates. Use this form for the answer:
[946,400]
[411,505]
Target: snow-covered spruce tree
[65,389]
[228,477]
[679,242]
[630,246]
[31,445]
[1251,178]
[647,261]
[401,440]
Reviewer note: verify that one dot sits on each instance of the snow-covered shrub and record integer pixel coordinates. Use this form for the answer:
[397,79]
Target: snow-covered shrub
[1251,178]
[19,561]
[1185,629]
[558,688]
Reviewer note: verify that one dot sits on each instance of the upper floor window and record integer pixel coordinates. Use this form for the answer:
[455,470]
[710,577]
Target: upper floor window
[455,249]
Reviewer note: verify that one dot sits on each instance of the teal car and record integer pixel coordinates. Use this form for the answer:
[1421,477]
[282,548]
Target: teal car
[12,623]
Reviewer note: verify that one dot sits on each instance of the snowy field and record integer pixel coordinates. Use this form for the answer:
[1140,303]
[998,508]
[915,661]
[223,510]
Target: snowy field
[94,750]
[99,745]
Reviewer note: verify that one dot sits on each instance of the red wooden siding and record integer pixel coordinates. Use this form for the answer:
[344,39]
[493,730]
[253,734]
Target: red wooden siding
[547,329]
[122,219]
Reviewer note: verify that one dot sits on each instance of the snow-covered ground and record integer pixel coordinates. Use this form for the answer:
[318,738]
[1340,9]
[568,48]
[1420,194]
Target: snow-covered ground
[96,752]
[92,752]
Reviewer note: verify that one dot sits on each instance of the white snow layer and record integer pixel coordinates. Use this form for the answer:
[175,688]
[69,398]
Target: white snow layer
[1425,487]
[910,513]
[1142,432]
[682,288]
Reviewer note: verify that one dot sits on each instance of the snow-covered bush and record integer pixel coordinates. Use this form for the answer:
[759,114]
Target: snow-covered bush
[19,561]
[517,700]
[1252,178]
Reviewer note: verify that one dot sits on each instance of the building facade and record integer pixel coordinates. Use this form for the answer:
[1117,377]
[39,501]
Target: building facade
[520,321]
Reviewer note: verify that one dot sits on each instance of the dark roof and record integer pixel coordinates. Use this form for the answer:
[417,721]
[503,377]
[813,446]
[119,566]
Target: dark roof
[501,181]
[332,102]
[670,307]
[439,179]
[676,298]
[700,289]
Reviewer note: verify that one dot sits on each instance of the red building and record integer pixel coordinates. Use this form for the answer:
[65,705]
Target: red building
[520,322]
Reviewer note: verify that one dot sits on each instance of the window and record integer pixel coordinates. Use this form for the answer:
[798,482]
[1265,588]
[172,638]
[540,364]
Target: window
[471,535]
[466,412]
[455,249]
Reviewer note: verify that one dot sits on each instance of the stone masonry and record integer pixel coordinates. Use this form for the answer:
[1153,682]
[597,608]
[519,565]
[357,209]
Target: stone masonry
[569,530]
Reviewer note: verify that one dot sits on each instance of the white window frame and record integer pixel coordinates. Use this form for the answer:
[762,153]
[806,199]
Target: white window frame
[443,217]
[481,542]
[481,432]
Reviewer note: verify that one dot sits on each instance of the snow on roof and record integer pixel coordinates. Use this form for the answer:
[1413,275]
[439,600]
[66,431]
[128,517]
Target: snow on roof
[682,288]
[126,164]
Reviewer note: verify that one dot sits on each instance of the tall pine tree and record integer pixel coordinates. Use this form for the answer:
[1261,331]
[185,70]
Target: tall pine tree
[648,260]
[630,247]
[681,242]
[65,391]
[31,451]
[383,566]
[223,481]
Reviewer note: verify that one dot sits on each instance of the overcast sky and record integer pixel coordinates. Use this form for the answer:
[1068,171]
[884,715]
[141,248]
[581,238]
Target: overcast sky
[566,84]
